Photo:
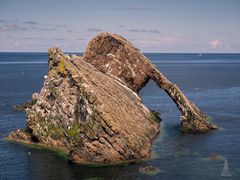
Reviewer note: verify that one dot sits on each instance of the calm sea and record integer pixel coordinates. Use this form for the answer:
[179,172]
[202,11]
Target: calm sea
[212,81]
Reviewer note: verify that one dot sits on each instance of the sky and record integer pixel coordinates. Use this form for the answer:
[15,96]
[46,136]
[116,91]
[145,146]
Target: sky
[164,26]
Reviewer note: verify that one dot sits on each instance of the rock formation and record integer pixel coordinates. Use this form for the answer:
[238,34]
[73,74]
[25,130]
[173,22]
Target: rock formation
[89,106]
[93,117]
[112,54]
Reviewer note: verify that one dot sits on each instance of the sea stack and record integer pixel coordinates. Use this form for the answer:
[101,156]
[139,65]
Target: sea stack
[112,54]
[89,106]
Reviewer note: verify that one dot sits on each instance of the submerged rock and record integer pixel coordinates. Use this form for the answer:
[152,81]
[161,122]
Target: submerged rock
[149,170]
[215,157]
[89,106]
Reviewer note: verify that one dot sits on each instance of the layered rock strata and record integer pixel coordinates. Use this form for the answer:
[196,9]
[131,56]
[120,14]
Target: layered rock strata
[93,117]
[89,106]
[112,54]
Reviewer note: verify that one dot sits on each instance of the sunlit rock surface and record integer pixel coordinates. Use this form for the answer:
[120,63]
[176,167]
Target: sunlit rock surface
[93,117]
[112,54]
[89,106]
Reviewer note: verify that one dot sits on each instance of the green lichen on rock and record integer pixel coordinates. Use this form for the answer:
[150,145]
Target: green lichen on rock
[61,67]
[74,129]
[155,116]
[56,132]
[69,65]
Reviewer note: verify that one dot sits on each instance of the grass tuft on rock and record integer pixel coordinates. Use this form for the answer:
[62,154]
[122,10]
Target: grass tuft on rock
[73,131]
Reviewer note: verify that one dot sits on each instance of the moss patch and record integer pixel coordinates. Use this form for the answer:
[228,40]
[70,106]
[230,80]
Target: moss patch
[73,131]
[61,67]
[56,132]
[73,70]
[155,116]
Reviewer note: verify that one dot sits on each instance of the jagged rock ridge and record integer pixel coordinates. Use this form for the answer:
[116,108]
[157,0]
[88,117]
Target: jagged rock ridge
[89,106]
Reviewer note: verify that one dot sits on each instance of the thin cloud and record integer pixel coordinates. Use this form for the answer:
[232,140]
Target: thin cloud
[121,26]
[9,21]
[144,31]
[215,44]
[33,38]
[147,42]
[168,40]
[43,29]
[219,32]
[58,39]
[61,25]
[12,28]
[48,29]
[9,37]
[137,30]
[81,39]
[69,31]
[137,9]
[31,22]
[94,30]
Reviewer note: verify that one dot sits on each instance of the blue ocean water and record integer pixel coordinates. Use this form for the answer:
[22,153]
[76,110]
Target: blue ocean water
[212,81]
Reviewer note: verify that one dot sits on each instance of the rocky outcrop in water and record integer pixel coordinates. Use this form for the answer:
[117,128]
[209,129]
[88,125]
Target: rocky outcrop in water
[112,54]
[93,117]
[89,106]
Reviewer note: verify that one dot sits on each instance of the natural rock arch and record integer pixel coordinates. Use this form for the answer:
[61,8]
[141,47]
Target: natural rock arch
[114,55]
[97,117]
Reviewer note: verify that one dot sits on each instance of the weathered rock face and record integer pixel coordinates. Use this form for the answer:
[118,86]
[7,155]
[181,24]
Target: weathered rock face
[93,117]
[112,54]
[89,106]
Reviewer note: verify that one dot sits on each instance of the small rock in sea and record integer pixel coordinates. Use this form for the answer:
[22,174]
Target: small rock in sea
[149,170]
[215,157]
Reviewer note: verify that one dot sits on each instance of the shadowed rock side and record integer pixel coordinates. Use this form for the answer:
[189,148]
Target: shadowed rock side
[112,54]
[93,117]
